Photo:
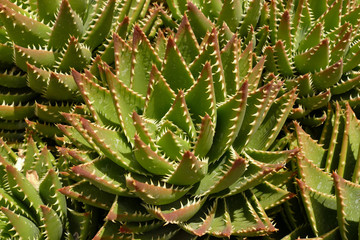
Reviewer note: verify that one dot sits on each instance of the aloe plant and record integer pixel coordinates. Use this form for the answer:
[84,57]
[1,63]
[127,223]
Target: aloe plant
[172,146]
[312,44]
[329,175]
[31,207]
[41,42]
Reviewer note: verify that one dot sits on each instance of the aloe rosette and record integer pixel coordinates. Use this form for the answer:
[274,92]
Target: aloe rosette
[312,44]
[31,207]
[329,174]
[41,41]
[177,144]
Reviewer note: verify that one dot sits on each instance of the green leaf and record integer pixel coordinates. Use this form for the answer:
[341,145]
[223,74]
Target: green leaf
[251,18]
[16,112]
[231,13]
[23,227]
[189,171]
[68,24]
[313,60]
[205,137]
[271,196]
[53,227]
[100,26]
[257,104]
[23,189]
[186,41]
[47,10]
[310,148]
[48,192]
[230,59]
[174,66]
[150,193]
[125,101]
[230,115]
[223,174]
[347,196]
[122,55]
[328,77]
[151,160]
[128,210]
[313,176]
[312,39]
[284,30]
[23,30]
[180,116]
[211,52]
[177,212]
[143,59]
[39,58]
[112,144]
[269,129]
[332,16]
[85,192]
[98,100]
[320,209]
[160,96]
[282,59]
[199,22]
[200,98]
[76,56]
[104,174]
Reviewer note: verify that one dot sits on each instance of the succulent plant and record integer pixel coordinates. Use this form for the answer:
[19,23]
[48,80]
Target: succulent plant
[176,144]
[41,42]
[312,44]
[329,175]
[31,206]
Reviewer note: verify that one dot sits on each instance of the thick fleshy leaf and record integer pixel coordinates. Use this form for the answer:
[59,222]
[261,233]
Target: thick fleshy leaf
[257,104]
[273,122]
[143,58]
[39,58]
[125,100]
[328,77]
[186,41]
[200,98]
[189,171]
[53,227]
[320,209]
[100,26]
[224,174]
[23,227]
[177,212]
[199,22]
[112,144]
[210,52]
[230,116]
[174,66]
[76,56]
[85,192]
[159,194]
[347,196]
[159,96]
[105,175]
[180,116]
[313,60]
[98,100]
[252,17]
[67,24]
[128,210]
[310,148]
[48,191]
[151,160]
[23,30]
